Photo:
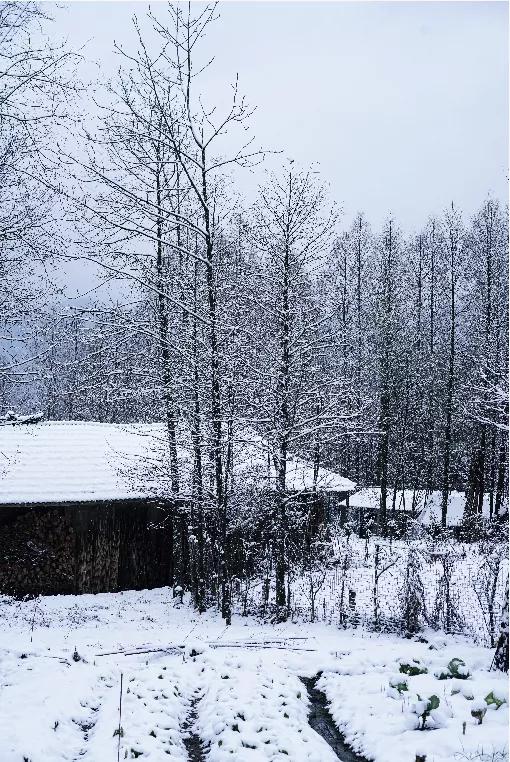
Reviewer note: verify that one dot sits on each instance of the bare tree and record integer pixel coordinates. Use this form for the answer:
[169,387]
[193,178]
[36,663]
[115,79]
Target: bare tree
[35,86]
[292,228]
[452,252]
[154,190]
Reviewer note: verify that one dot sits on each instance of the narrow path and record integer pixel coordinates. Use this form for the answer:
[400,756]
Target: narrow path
[322,722]
[192,742]
[94,704]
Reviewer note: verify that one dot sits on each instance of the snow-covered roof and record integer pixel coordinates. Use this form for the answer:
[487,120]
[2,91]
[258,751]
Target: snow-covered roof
[71,461]
[53,462]
[253,463]
[426,505]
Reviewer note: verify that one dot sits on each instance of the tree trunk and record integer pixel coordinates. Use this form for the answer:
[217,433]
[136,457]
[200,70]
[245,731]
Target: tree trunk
[384,403]
[500,661]
[501,478]
[163,326]
[198,485]
[449,386]
[216,406]
[283,425]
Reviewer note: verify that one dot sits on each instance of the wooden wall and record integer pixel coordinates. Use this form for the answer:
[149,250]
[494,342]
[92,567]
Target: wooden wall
[84,548]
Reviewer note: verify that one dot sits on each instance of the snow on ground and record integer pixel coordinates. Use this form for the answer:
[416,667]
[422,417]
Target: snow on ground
[156,699]
[374,716]
[262,715]
[246,703]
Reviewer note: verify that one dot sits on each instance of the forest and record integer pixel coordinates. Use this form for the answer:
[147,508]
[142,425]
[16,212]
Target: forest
[381,354]
[253,447]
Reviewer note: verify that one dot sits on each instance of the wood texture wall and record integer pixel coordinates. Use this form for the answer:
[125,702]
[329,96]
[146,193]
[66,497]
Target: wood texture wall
[84,548]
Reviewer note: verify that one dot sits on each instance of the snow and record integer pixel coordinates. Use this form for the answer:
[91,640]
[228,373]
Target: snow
[245,703]
[155,705]
[53,462]
[427,505]
[256,718]
[255,466]
[383,724]
[71,461]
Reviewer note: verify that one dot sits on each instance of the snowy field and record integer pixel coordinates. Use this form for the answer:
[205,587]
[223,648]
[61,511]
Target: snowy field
[236,689]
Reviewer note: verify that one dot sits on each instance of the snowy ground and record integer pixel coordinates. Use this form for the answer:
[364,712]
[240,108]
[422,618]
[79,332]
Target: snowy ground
[244,703]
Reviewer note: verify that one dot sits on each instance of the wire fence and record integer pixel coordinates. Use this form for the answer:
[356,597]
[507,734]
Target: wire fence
[458,588]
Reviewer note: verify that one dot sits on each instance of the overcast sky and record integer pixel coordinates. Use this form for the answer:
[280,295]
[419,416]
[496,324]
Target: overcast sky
[404,105]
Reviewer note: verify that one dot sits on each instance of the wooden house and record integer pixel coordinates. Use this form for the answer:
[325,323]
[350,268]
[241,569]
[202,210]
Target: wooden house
[84,507]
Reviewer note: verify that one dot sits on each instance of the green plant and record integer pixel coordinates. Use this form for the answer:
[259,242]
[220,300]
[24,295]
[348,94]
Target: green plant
[455,668]
[400,685]
[492,699]
[458,669]
[424,707]
[412,669]
[479,710]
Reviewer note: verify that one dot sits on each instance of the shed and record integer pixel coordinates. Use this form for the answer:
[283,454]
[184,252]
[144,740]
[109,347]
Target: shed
[71,519]
[420,505]
[83,506]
